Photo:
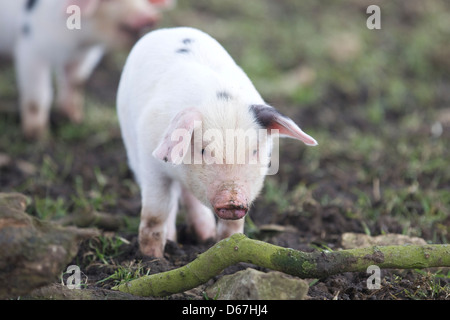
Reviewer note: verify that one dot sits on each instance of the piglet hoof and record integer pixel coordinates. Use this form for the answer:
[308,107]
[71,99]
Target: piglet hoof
[203,236]
[35,131]
[33,134]
[206,237]
[34,122]
[151,251]
[151,245]
[73,113]
[204,227]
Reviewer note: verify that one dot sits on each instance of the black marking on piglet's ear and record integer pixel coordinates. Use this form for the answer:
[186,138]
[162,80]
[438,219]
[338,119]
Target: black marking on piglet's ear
[265,115]
[270,118]
[187,41]
[30,4]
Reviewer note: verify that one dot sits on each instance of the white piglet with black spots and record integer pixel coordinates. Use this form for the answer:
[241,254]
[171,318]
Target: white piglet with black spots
[66,38]
[196,131]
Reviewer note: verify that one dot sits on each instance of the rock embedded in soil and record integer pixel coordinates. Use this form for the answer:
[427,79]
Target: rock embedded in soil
[33,253]
[61,292]
[251,284]
[352,240]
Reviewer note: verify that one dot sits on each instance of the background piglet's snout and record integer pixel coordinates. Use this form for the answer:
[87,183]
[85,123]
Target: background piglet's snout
[121,23]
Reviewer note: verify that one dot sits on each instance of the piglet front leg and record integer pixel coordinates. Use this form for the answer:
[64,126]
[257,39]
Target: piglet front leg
[159,208]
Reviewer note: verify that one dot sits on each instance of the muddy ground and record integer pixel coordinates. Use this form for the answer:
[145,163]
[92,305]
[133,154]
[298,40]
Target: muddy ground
[378,103]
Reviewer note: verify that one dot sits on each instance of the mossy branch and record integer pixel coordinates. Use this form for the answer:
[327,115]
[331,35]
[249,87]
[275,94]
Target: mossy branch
[239,248]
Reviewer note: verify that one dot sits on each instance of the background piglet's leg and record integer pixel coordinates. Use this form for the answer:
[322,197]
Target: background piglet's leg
[36,92]
[72,77]
[70,95]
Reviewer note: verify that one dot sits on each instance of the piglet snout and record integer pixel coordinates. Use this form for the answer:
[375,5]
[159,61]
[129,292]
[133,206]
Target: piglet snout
[231,211]
[143,21]
[229,200]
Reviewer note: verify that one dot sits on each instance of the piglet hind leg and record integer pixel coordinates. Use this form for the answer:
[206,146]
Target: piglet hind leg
[200,218]
[70,97]
[36,92]
[159,209]
[72,78]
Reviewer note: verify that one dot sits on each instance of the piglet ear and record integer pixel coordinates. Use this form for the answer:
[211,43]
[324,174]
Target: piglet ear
[177,138]
[270,118]
[87,7]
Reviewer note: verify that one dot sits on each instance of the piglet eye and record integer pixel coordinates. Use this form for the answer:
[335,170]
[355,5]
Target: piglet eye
[254,152]
[203,151]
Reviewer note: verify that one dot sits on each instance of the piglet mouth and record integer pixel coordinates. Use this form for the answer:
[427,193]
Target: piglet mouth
[231,211]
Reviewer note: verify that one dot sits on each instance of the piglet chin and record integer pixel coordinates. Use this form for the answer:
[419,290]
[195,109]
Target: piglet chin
[231,212]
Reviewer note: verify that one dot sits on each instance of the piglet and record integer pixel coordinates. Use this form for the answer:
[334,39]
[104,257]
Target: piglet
[196,131]
[67,38]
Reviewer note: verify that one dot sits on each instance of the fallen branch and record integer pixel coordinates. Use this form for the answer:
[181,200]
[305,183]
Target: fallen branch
[239,248]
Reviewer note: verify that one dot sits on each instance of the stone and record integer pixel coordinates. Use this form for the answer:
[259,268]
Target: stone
[352,240]
[33,252]
[251,284]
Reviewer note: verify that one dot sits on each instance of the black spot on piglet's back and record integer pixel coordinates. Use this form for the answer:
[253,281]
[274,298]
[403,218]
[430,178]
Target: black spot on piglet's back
[183,50]
[30,4]
[223,95]
[187,42]
[26,30]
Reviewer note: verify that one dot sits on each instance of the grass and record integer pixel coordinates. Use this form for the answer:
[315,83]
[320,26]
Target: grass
[424,285]
[126,273]
[105,248]
[48,209]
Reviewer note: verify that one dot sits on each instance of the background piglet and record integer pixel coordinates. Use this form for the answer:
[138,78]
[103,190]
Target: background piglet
[36,34]
[181,81]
